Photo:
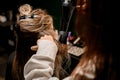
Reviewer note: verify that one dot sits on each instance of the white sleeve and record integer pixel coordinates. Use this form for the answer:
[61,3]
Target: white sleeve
[41,65]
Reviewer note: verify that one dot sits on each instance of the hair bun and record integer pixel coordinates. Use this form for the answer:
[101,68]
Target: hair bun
[25,9]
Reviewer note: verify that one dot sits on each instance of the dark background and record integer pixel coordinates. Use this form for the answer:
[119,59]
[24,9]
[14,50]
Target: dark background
[52,6]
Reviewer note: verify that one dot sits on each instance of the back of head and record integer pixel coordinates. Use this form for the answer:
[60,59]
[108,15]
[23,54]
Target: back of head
[90,26]
[31,25]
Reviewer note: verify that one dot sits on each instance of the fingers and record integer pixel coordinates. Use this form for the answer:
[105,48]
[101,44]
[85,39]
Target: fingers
[46,37]
[34,48]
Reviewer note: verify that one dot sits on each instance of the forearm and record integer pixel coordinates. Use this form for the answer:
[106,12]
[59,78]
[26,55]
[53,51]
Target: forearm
[41,64]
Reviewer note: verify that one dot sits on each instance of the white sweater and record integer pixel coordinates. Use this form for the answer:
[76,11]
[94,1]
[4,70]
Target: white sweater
[41,65]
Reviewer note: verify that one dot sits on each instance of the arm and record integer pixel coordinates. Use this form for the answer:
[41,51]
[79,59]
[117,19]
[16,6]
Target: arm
[41,65]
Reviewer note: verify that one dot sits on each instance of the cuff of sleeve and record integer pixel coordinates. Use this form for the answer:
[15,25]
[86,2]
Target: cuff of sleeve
[47,48]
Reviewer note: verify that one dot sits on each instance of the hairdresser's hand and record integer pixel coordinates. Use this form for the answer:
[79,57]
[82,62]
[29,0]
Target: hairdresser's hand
[45,37]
